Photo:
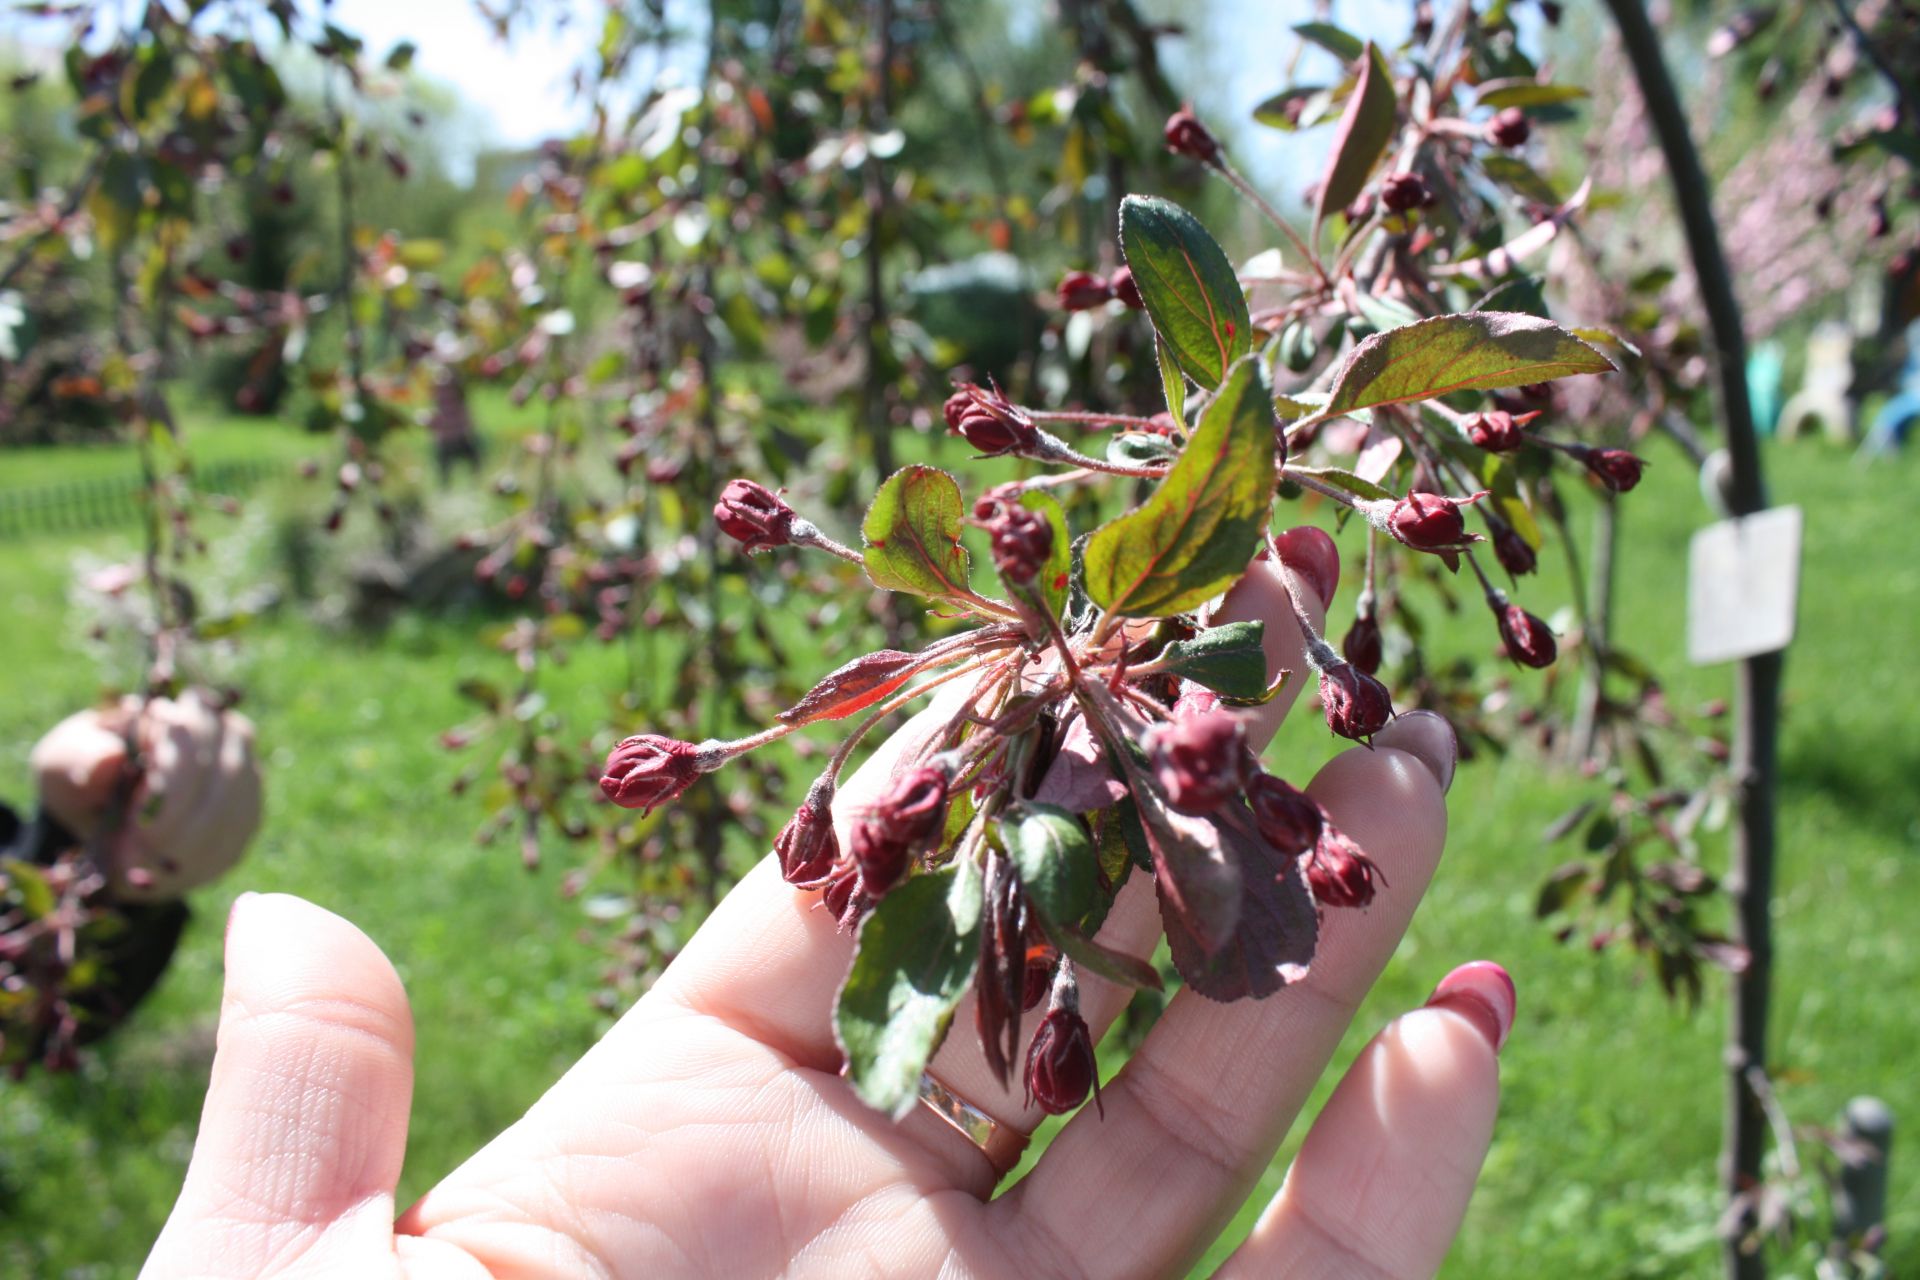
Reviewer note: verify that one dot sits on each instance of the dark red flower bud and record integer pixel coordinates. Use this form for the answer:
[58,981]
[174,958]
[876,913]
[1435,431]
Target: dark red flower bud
[1400,192]
[1060,1063]
[1186,136]
[1429,521]
[1042,960]
[648,769]
[1496,431]
[913,808]
[1509,128]
[989,421]
[1615,468]
[1513,551]
[807,845]
[1528,641]
[882,860]
[1022,540]
[1083,291]
[1200,761]
[1288,818]
[956,405]
[1126,290]
[753,515]
[1361,645]
[1339,872]
[844,897]
[1357,705]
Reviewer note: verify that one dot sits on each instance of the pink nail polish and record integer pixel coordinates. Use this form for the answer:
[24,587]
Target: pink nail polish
[1483,993]
[1310,552]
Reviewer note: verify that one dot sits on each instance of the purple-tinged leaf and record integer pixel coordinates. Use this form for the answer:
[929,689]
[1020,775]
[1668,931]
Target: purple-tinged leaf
[1365,129]
[1080,779]
[1273,939]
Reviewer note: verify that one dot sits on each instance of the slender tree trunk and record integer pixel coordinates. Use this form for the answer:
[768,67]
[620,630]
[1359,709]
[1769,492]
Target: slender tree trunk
[1757,685]
[1599,630]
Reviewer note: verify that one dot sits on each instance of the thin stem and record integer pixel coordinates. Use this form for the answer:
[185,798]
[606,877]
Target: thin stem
[1272,215]
[845,750]
[1091,419]
[1053,449]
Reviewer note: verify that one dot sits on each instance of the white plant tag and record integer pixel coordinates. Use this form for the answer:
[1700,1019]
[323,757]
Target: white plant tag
[1743,586]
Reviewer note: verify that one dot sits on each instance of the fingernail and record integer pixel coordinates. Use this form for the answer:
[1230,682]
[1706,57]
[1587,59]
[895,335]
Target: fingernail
[1310,553]
[1483,993]
[233,913]
[1426,736]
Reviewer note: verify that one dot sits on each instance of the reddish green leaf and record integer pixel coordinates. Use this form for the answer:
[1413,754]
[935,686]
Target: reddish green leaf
[1470,351]
[1194,536]
[1192,295]
[912,532]
[1365,129]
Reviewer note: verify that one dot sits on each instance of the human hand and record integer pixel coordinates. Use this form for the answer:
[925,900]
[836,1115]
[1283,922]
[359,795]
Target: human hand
[710,1133]
[191,810]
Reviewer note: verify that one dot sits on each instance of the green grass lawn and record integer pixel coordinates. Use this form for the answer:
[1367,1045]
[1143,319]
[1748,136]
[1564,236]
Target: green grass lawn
[1603,1165]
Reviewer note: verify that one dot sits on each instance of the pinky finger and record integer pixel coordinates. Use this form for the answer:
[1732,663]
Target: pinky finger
[1383,1179]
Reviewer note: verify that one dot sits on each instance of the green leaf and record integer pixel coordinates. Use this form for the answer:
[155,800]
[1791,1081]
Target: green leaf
[1343,45]
[1386,313]
[1469,351]
[1520,177]
[1502,480]
[1558,890]
[1344,480]
[1279,110]
[1193,296]
[1526,93]
[400,58]
[1055,858]
[1172,382]
[1365,129]
[1115,966]
[1595,337]
[1141,449]
[1228,659]
[1057,573]
[1194,536]
[915,959]
[912,533]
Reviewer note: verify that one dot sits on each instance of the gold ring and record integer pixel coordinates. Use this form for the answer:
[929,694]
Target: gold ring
[1000,1143]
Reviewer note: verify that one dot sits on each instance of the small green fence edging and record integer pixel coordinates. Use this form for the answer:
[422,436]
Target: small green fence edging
[78,506]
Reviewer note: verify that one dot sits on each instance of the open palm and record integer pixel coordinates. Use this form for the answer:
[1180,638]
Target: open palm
[710,1133]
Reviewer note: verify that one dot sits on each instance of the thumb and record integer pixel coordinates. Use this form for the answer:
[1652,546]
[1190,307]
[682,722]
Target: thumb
[305,1121]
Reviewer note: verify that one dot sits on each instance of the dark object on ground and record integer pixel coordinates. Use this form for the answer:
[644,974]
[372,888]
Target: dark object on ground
[133,961]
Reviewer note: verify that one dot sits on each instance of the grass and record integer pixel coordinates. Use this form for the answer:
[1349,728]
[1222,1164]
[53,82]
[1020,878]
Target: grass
[1603,1163]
